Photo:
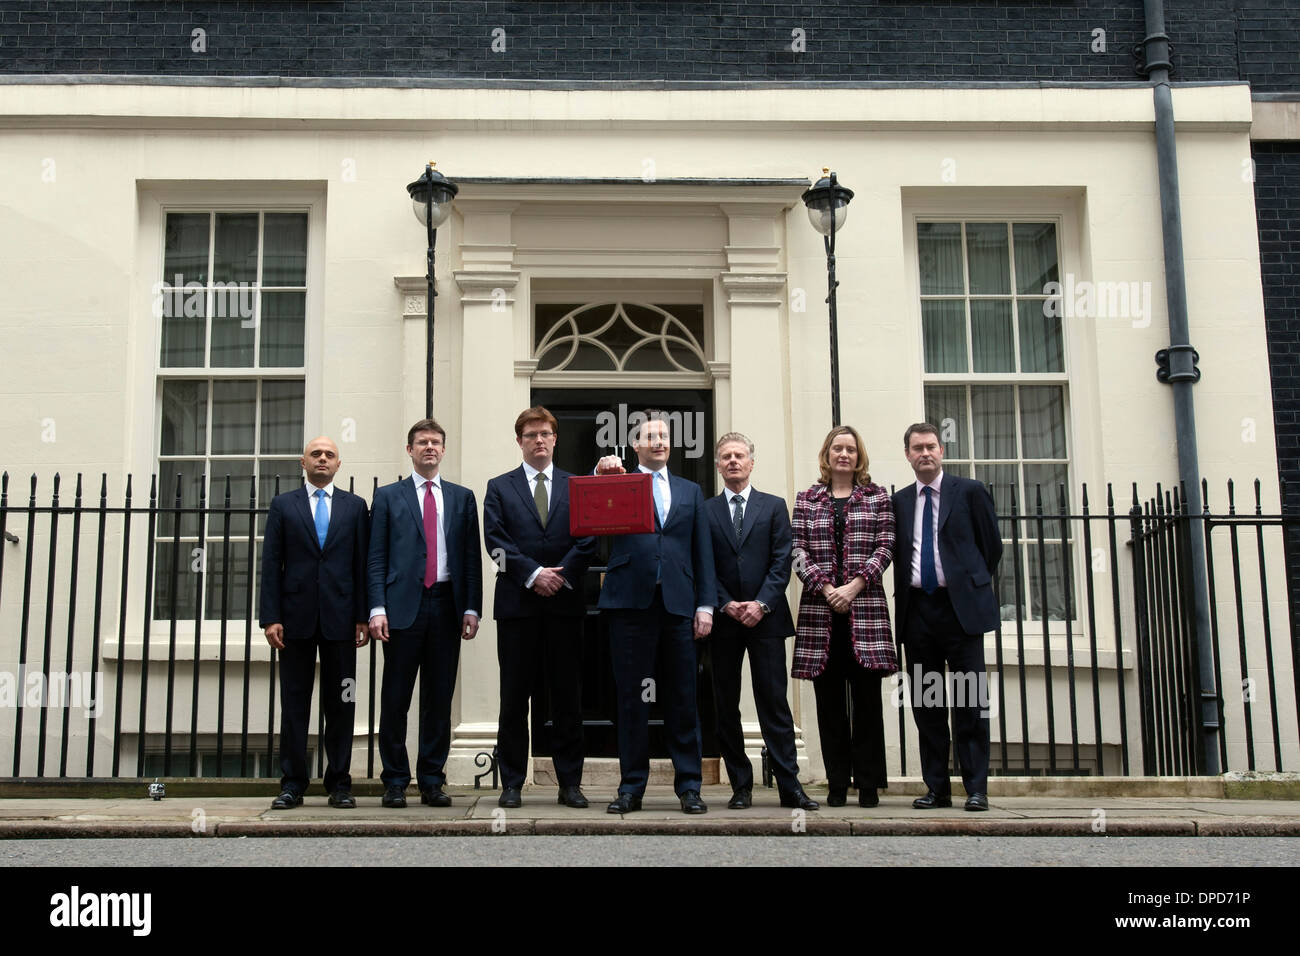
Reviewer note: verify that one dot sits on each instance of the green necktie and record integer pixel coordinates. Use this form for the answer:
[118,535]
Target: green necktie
[539,497]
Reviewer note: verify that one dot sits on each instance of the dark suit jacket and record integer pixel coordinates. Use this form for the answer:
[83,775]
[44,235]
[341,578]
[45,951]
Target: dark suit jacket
[757,568]
[970,548]
[682,550]
[303,584]
[519,545]
[398,549]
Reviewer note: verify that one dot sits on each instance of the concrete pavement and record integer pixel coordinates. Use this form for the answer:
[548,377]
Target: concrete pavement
[1268,805]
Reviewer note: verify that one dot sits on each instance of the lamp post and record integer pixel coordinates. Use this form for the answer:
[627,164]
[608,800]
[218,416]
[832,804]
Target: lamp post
[431,197]
[828,208]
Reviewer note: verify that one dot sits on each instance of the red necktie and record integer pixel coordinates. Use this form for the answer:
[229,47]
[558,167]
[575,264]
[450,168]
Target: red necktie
[430,536]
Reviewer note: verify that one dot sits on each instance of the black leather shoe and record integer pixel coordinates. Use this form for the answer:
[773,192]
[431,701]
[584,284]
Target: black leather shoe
[287,800]
[343,799]
[867,797]
[510,798]
[624,803]
[395,798]
[434,797]
[930,801]
[977,801]
[742,799]
[572,797]
[800,800]
[837,798]
[691,802]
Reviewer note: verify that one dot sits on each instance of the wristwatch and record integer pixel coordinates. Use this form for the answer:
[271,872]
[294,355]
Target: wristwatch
[764,608]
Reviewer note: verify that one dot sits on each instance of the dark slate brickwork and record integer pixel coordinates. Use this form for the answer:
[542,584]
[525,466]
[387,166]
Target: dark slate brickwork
[1277,205]
[872,40]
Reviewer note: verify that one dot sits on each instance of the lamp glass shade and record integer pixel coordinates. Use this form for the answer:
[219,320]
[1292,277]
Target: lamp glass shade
[441,210]
[820,215]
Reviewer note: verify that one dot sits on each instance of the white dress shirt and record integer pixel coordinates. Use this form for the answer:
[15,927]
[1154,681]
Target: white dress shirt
[444,575]
[530,475]
[934,530]
[313,501]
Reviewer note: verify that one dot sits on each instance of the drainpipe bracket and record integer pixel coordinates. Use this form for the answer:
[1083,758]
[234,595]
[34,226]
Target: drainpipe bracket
[1167,377]
[1142,67]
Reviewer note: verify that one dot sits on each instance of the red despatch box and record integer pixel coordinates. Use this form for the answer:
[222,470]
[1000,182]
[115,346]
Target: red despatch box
[610,504]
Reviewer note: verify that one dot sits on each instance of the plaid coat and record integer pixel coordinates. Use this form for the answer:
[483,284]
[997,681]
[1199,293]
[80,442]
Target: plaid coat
[868,549]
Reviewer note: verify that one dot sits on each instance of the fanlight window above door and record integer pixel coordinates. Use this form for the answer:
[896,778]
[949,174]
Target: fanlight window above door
[621,337]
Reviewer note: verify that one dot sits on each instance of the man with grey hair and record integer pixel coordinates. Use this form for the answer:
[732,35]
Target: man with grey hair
[751,552]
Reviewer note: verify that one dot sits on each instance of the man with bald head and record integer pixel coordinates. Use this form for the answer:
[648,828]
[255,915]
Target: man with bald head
[314,601]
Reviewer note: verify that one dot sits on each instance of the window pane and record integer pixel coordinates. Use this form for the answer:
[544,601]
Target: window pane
[191,482]
[943,328]
[240,471]
[994,417]
[1042,421]
[648,358]
[283,322]
[1007,568]
[1001,479]
[234,413]
[185,248]
[939,257]
[1041,346]
[282,418]
[184,327]
[276,477]
[989,257]
[1055,566]
[178,602]
[236,248]
[991,335]
[284,260]
[184,418]
[945,408]
[233,327]
[1050,478]
[233,605]
[1035,256]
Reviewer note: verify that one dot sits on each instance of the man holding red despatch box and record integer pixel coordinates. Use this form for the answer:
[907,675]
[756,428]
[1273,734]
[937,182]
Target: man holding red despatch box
[659,592]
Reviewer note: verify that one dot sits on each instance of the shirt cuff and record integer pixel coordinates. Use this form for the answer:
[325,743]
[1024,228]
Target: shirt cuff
[533,577]
[471,613]
[705,609]
[376,611]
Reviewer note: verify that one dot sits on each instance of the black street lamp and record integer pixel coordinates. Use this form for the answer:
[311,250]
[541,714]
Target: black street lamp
[828,208]
[431,196]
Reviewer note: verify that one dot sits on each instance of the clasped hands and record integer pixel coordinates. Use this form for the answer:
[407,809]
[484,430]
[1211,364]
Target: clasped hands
[841,598]
[747,613]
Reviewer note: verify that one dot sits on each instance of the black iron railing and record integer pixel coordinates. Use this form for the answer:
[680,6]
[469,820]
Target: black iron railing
[129,645]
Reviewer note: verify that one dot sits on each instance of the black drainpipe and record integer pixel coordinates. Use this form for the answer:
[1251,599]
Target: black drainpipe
[1177,365]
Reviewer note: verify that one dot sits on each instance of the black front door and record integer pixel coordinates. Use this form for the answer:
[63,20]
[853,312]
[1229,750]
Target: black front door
[587,419]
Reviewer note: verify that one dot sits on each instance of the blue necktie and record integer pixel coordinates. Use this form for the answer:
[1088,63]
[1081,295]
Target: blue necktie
[658,493]
[929,577]
[322,517]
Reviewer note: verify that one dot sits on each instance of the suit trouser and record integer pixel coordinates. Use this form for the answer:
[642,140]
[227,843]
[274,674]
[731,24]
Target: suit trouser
[767,673]
[934,638]
[338,663]
[529,650]
[636,640]
[431,648]
[856,753]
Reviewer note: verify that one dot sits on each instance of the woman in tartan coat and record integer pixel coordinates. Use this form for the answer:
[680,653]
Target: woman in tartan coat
[843,541]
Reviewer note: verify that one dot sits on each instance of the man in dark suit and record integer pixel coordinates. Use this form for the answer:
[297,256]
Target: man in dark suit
[426,588]
[947,553]
[314,601]
[538,606]
[659,591]
[751,551]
